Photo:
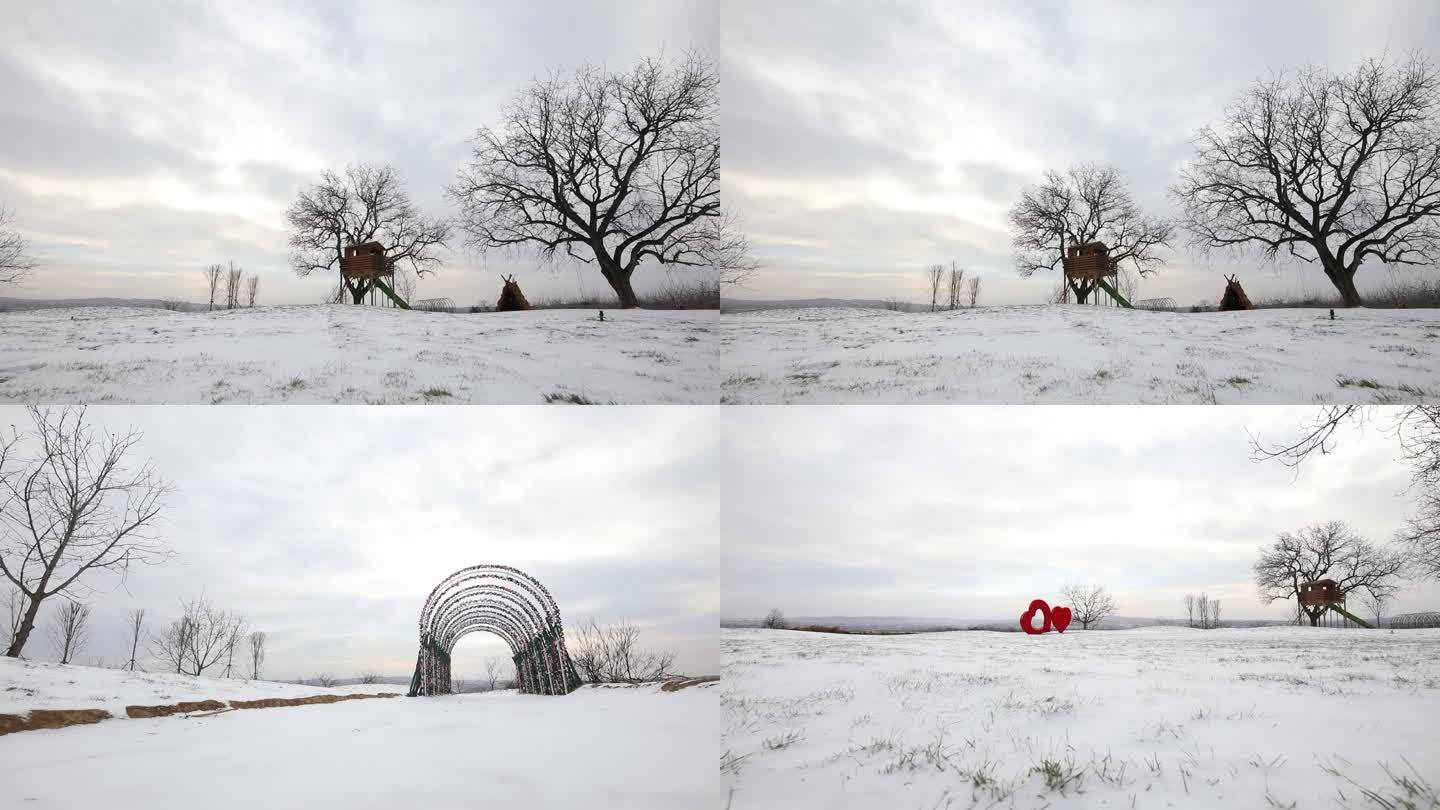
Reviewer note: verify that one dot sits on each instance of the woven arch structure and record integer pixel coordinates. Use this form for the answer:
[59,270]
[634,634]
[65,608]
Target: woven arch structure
[510,604]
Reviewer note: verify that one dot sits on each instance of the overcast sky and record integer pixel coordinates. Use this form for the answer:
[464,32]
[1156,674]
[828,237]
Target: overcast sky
[328,527]
[145,141]
[971,512]
[865,141]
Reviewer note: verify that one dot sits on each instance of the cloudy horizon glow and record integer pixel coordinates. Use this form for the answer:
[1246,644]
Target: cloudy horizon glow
[865,143]
[969,512]
[328,526]
[145,143]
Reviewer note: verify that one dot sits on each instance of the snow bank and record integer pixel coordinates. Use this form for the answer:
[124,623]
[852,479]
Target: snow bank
[1156,717]
[1080,354]
[338,353]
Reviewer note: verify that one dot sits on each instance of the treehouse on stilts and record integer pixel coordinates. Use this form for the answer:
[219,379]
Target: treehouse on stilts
[1091,262]
[1322,597]
[368,262]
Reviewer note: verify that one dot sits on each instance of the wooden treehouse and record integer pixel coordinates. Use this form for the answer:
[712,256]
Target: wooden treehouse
[368,262]
[1091,262]
[1325,595]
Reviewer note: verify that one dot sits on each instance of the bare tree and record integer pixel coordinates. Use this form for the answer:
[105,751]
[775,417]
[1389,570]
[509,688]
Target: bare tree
[324,679]
[233,277]
[197,640]
[726,251]
[934,274]
[611,654]
[1330,168]
[1214,613]
[257,654]
[1202,611]
[252,289]
[1417,431]
[213,274]
[492,673]
[70,508]
[16,260]
[71,630]
[1377,604]
[957,277]
[1325,551]
[1089,604]
[232,640]
[1190,608]
[368,204]
[171,645]
[135,624]
[974,290]
[774,620]
[370,678]
[1089,203]
[608,168]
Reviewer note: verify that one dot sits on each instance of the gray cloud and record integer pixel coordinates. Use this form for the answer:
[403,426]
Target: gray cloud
[970,512]
[864,143]
[144,143]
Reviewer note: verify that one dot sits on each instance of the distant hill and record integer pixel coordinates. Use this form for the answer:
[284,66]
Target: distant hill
[743,305]
[15,304]
[915,624]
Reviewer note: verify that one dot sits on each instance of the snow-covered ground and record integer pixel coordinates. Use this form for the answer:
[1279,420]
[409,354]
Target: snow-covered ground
[27,685]
[338,353]
[596,748]
[1079,354]
[1148,718]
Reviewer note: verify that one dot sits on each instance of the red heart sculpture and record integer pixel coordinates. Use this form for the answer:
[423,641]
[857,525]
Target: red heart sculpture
[1060,617]
[1044,610]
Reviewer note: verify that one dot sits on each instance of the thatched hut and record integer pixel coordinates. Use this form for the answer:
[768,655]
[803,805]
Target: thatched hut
[511,299]
[1234,298]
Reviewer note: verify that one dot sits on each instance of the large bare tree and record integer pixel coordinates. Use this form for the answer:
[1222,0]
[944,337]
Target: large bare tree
[1325,551]
[611,654]
[1089,604]
[252,289]
[1088,203]
[16,260]
[233,275]
[1416,429]
[72,508]
[1337,169]
[368,204]
[608,168]
[71,630]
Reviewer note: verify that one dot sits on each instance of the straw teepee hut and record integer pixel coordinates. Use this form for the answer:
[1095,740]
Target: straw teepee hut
[1234,297]
[511,299]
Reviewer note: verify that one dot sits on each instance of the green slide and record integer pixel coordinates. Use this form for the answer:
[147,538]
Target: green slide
[1352,617]
[400,302]
[1119,299]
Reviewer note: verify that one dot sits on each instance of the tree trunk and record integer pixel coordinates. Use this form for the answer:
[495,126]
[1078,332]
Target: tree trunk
[358,292]
[620,282]
[1344,280]
[23,633]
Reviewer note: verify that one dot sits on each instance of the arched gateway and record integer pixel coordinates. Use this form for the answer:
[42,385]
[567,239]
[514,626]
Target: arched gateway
[501,600]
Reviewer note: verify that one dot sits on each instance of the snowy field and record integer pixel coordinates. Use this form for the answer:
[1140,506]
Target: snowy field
[596,748]
[1065,354]
[338,353]
[27,685]
[1276,717]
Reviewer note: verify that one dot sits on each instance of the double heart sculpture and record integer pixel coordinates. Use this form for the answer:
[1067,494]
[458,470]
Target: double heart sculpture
[1057,617]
